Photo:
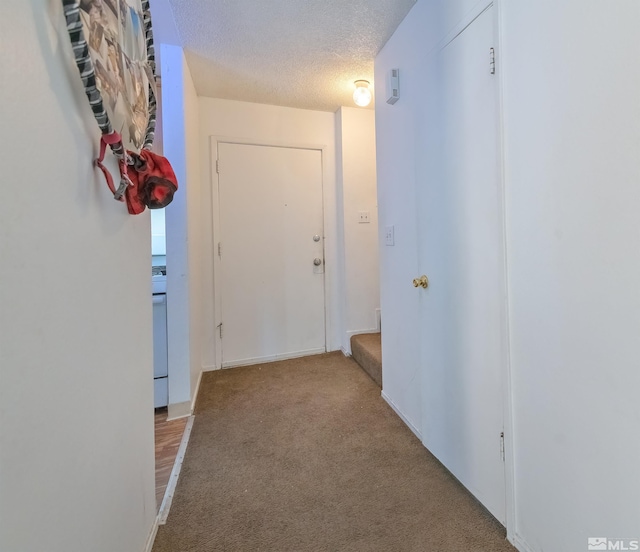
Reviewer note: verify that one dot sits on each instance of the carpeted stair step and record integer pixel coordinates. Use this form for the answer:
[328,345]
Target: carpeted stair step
[366,349]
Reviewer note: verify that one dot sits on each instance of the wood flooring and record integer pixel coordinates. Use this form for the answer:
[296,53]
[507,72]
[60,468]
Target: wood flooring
[168,438]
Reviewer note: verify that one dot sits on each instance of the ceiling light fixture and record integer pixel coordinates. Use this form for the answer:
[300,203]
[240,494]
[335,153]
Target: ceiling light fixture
[362,95]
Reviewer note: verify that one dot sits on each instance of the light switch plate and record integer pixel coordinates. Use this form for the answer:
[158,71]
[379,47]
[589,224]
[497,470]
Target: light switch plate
[389,235]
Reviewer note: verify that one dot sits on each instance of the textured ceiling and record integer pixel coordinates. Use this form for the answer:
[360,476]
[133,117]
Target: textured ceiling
[295,53]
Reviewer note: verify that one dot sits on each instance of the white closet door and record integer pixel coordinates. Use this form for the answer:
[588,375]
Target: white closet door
[461,251]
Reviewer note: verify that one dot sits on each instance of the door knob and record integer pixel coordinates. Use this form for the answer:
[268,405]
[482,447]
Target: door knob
[422,282]
[317,262]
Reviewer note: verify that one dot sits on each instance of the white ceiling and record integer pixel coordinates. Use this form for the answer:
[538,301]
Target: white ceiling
[295,53]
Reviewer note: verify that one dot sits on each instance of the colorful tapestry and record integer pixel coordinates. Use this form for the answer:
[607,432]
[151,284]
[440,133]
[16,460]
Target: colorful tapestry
[114,31]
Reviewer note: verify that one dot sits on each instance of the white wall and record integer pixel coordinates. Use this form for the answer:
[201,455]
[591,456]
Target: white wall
[571,122]
[349,174]
[356,184]
[180,114]
[164,28]
[197,212]
[395,147]
[572,118]
[272,125]
[76,392]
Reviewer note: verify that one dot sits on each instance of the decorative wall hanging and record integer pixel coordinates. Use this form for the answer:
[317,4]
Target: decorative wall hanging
[112,42]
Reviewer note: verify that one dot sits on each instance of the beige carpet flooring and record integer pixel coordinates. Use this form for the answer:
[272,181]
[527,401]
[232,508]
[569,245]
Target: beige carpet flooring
[304,455]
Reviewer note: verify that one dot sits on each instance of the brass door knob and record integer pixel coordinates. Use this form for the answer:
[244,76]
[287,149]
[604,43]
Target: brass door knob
[422,282]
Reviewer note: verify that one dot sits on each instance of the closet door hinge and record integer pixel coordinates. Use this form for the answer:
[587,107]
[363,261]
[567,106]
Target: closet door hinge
[218,166]
[220,329]
[502,445]
[220,249]
[492,61]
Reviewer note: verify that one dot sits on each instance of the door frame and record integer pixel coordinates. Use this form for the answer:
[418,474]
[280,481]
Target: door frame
[507,386]
[506,370]
[330,257]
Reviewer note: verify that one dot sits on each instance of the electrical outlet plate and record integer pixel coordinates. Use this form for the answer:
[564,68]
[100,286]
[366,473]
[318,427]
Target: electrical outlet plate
[363,217]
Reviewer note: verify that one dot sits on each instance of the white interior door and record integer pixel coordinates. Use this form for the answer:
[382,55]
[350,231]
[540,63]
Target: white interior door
[271,234]
[461,251]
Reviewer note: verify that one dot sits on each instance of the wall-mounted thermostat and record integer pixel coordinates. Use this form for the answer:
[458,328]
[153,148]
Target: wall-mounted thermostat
[393,86]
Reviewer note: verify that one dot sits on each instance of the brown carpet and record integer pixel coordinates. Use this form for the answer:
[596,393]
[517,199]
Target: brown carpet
[366,350]
[304,455]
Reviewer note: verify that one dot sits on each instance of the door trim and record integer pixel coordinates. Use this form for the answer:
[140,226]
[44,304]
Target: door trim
[507,392]
[330,256]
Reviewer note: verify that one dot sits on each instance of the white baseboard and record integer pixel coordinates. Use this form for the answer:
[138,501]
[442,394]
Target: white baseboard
[520,544]
[178,410]
[195,393]
[272,358]
[413,428]
[345,352]
[211,368]
[175,474]
[186,408]
[152,535]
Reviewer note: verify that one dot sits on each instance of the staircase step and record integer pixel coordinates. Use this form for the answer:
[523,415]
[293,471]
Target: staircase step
[366,350]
